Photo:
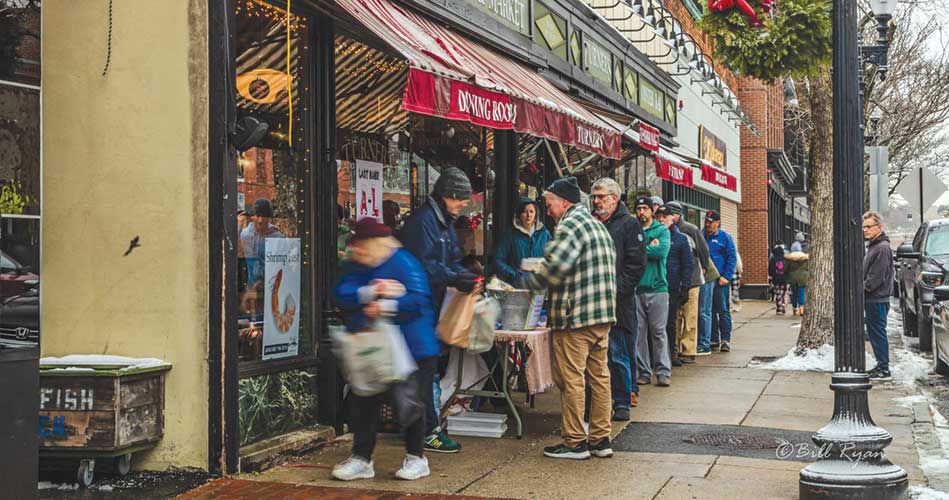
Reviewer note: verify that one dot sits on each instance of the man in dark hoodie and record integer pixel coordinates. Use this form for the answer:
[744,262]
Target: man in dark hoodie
[877,289]
[678,275]
[429,234]
[627,235]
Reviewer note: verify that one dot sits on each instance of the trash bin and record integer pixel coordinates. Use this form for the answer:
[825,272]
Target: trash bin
[19,384]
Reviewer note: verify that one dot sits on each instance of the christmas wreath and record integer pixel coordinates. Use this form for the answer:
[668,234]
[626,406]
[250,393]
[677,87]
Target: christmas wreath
[764,40]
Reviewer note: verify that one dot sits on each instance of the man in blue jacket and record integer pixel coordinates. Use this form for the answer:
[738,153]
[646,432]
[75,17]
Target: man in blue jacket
[721,248]
[429,234]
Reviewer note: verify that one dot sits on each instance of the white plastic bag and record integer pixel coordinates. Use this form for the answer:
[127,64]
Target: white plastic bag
[481,334]
[374,358]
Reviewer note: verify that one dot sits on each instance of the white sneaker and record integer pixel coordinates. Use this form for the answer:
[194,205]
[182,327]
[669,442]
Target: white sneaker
[354,468]
[413,468]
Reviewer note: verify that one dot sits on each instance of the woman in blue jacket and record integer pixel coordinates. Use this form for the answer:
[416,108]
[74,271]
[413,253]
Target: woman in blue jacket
[385,280]
[526,240]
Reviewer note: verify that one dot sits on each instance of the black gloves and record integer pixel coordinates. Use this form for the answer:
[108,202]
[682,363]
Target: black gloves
[683,299]
[465,282]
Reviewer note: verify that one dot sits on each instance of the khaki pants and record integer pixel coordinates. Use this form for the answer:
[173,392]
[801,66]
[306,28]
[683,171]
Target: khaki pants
[578,352]
[687,324]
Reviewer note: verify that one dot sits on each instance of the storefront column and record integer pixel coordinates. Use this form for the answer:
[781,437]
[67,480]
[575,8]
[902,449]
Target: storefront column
[329,398]
[505,181]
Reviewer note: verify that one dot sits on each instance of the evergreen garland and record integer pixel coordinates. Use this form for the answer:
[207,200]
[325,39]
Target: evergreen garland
[794,40]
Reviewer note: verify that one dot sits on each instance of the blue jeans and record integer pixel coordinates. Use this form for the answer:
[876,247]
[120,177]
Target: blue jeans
[721,314]
[875,318]
[631,352]
[621,375]
[705,316]
[797,295]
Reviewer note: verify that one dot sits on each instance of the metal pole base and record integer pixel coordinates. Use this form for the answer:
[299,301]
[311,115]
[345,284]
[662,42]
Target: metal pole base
[851,462]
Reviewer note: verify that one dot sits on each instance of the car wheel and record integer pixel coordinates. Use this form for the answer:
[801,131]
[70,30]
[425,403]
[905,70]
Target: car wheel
[939,366]
[909,321]
[924,327]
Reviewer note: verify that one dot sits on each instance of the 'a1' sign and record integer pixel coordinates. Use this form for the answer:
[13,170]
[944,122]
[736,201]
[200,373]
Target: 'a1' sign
[649,138]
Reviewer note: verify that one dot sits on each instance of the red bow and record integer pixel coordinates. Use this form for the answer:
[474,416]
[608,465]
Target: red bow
[743,6]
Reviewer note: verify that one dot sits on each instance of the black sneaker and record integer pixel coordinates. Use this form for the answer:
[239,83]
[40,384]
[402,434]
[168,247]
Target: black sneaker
[644,380]
[715,346]
[880,374]
[676,362]
[581,452]
[603,449]
[726,347]
[620,414]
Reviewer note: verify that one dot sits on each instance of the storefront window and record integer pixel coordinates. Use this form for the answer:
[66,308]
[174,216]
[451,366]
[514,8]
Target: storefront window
[19,212]
[275,320]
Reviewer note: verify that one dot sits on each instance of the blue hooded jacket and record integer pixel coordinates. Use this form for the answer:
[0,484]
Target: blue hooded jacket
[680,261]
[414,314]
[428,233]
[721,247]
[517,245]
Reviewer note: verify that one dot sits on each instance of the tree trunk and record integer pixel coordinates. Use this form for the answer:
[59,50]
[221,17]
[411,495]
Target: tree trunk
[818,326]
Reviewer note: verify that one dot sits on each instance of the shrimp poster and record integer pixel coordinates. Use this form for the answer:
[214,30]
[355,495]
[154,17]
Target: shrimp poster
[282,269]
[369,190]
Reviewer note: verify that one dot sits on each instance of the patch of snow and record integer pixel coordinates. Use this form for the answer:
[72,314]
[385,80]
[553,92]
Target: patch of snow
[909,401]
[906,366]
[813,360]
[45,485]
[923,493]
[73,369]
[105,487]
[80,360]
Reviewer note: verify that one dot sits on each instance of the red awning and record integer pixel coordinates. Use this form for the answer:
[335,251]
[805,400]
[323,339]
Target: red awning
[458,79]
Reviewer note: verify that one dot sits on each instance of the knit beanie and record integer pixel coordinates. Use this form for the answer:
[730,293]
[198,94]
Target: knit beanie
[566,188]
[452,183]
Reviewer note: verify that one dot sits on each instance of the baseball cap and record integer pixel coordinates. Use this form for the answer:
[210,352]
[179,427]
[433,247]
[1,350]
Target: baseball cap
[712,216]
[643,201]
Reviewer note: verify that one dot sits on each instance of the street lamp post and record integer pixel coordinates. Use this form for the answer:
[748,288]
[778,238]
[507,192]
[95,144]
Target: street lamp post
[851,463]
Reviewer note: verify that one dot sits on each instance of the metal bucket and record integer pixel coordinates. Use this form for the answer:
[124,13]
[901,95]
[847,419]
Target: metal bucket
[520,309]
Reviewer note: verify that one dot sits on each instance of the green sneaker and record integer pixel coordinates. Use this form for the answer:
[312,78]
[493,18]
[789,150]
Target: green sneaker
[441,443]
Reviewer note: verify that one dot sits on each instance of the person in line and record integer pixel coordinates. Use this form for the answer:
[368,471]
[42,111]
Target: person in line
[798,271]
[800,243]
[721,247]
[688,314]
[656,203]
[579,272]
[678,276]
[429,233]
[383,280]
[877,289]
[652,301]
[627,236]
[527,239]
[777,273]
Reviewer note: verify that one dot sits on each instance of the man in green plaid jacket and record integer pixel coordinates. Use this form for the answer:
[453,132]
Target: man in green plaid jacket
[579,270]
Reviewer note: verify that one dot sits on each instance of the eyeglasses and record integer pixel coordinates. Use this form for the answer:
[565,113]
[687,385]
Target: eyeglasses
[602,196]
[870,226]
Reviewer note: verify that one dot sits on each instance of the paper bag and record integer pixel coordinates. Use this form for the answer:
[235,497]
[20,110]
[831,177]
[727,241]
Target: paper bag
[454,324]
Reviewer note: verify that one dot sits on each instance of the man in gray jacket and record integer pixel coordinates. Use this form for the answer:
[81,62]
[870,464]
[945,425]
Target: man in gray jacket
[688,317]
[877,288]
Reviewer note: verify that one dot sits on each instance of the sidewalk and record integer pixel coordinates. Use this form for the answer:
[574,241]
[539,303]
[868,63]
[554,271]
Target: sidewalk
[712,435]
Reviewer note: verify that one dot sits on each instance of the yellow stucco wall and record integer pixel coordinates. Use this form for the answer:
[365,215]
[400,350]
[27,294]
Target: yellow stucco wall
[126,155]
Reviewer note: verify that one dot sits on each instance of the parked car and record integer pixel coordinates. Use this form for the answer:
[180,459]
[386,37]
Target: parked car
[922,269]
[20,314]
[940,327]
[13,276]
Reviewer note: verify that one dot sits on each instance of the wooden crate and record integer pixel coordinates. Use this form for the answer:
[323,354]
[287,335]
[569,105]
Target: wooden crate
[100,411]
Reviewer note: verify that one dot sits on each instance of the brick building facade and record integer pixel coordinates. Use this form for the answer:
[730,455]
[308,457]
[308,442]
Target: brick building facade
[765,105]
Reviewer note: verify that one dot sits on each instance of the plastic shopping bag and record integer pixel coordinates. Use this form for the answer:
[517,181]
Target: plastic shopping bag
[481,335]
[374,358]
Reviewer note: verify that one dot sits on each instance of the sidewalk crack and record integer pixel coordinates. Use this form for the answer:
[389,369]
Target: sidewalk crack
[757,399]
